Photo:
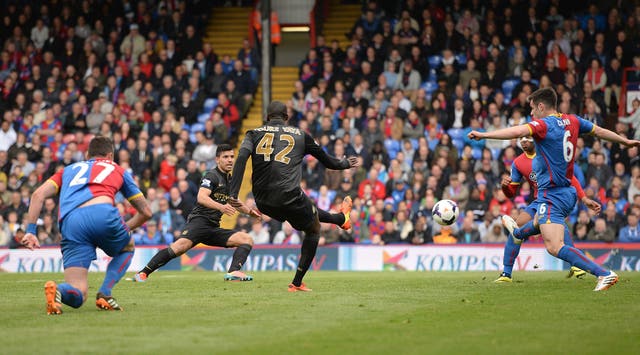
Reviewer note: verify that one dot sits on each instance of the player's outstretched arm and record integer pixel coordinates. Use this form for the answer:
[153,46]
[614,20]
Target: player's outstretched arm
[509,187]
[243,208]
[311,147]
[238,172]
[204,198]
[592,205]
[614,137]
[241,163]
[502,134]
[144,212]
[46,190]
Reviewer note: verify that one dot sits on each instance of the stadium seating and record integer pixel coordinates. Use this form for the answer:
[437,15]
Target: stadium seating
[457,137]
[508,86]
[433,74]
[462,60]
[209,105]
[393,147]
[435,61]
[429,87]
[203,117]
[197,127]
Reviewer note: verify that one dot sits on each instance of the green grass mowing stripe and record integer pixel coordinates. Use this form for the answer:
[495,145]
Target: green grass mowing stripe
[348,312]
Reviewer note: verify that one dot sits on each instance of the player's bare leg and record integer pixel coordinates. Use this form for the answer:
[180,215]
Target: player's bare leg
[243,244]
[162,257]
[523,218]
[553,233]
[527,228]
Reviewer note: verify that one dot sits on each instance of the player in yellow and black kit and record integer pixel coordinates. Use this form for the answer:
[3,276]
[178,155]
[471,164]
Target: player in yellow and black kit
[276,151]
[203,223]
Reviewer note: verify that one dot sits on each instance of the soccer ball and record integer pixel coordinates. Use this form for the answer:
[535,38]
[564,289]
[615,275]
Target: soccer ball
[445,212]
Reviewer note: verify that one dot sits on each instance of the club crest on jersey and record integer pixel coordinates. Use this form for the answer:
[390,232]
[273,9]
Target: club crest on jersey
[220,197]
[206,182]
[532,177]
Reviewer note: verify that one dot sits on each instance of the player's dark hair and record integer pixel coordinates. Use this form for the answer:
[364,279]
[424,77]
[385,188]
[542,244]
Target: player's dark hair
[546,96]
[223,148]
[100,146]
[277,110]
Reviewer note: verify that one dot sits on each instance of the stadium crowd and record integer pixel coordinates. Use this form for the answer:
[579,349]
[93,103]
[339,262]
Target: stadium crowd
[416,78]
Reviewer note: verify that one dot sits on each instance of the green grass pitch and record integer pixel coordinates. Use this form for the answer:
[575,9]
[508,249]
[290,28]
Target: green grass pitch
[347,313]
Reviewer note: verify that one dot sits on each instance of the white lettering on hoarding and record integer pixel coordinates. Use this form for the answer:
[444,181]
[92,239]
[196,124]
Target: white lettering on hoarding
[440,262]
[630,263]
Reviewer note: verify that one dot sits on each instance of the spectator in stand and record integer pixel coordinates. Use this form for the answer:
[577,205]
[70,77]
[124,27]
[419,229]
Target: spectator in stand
[150,235]
[468,233]
[48,233]
[190,43]
[408,36]
[601,232]
[228,111]
[445,236]
[259,233]
[614,74]
[186,110]
[214,82]
[250,59]
[596,75]
[633,119]
[631,232]
[467,21]
[378,189]
[599,170]
[133,42]
[495,233]
[242,78]
[166,176]
[15,205]
[390,235]
[168,220]
[8,135]
[369,23]
[408,80]
[457,191]
[287,235]
[558,56]
[422,232]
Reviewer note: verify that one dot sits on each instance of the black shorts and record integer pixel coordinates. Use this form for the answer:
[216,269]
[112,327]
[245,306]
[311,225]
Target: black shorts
[201,230]
[300,212]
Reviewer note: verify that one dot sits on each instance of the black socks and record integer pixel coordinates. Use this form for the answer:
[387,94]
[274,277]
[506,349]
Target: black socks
[307,253]
[239,257]
[159,260]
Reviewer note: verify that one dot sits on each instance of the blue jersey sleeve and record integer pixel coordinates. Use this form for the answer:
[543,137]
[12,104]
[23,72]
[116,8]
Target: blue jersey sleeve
[516,176]
[586,127]
[129,188]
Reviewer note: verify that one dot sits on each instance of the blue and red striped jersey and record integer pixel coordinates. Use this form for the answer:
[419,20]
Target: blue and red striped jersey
[556,137]
[521,169]
[82,181]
